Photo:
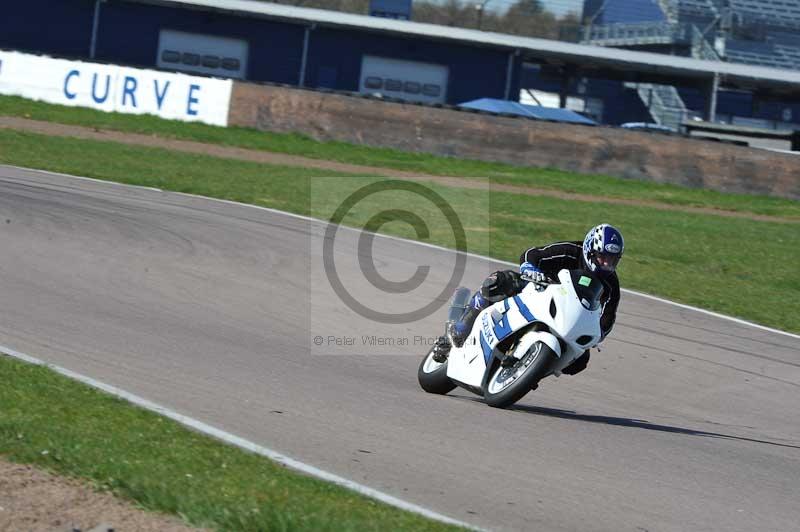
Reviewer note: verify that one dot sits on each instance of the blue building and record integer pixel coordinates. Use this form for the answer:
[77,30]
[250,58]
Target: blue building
[319,49]
[272,45]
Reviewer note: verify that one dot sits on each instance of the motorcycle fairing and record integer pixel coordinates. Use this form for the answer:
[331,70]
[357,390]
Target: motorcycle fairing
[494,324]
[502,320]
[557,306]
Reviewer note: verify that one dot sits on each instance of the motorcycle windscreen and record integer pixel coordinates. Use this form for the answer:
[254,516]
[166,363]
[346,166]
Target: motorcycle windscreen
[588,287]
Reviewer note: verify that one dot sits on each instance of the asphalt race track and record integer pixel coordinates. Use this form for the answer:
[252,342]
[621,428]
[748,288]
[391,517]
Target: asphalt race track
[684,422]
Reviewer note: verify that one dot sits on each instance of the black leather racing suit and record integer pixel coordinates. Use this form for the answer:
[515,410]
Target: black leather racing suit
[551,259]
[555,257]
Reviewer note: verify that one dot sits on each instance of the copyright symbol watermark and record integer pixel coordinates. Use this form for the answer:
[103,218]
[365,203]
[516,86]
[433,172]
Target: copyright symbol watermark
[415,193]
[385,261]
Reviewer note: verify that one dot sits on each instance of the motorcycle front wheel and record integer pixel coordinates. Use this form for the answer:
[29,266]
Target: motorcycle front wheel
[432,376]
[507,385]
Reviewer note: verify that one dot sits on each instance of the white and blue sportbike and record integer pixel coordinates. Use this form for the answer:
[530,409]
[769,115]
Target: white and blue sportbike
[517,342]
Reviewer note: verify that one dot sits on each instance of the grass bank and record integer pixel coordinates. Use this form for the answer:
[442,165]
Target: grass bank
[296,144]
[739,267]
[72,429]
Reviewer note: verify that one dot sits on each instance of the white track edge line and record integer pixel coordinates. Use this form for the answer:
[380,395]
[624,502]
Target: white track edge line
[240,442]
[424,244]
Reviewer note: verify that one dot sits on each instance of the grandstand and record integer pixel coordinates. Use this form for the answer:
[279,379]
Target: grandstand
[780,13]
[762,53]
[701,9]
[754,32]
[758,32]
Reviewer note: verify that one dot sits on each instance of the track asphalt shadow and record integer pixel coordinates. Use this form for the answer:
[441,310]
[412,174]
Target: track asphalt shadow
[637,423]
[627,422]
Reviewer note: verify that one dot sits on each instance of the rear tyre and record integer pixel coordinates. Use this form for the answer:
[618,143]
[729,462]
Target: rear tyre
[432,376]
[507,385]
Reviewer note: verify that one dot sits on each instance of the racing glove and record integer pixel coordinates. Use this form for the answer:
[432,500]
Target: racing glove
[500,285]
[532,272]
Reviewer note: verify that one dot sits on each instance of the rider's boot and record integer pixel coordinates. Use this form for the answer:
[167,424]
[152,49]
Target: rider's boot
[458,331]
[498,285]
[441,349]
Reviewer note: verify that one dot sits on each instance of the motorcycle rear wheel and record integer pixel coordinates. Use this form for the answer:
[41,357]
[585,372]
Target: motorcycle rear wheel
[432,376]
[507,385]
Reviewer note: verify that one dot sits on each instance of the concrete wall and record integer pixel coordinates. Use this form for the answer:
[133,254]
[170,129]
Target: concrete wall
[603,150]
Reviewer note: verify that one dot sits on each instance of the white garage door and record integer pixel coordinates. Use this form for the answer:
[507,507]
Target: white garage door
[410,80]
[202,54]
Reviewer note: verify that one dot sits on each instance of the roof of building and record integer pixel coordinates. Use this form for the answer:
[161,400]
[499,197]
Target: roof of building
[538,112]
[556,52]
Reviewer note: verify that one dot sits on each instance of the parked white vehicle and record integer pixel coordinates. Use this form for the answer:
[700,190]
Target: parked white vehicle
[517,342]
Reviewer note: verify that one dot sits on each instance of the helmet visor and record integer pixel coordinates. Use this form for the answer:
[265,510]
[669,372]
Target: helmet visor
[606,262]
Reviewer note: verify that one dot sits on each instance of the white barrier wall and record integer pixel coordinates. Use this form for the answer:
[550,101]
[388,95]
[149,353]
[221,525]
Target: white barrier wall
[115,88]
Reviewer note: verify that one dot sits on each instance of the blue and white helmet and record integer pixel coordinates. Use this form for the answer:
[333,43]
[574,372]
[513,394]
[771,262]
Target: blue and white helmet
[602,248]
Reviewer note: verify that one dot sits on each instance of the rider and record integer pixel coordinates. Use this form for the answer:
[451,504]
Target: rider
[600,253]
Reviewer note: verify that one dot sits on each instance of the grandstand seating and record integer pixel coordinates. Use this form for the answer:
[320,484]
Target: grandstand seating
[775,12]
[786,38]
[790,52]
[627,11]
[697,8]
[754,58]
[637,23]
[765,33]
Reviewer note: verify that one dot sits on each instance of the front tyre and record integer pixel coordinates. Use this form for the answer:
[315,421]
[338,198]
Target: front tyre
[507,385]
[432,376]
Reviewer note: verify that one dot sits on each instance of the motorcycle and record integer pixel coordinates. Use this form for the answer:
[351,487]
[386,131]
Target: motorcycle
[517,342]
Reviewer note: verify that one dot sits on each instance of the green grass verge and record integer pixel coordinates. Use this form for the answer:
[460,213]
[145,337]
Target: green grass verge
[735,266]
[72,429]
[296,144]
